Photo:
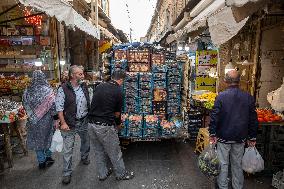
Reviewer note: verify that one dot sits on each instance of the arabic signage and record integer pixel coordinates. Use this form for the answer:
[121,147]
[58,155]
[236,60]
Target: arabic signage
[205,60]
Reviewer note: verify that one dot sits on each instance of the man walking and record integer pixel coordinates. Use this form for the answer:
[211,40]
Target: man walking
[104,116]
[72,105]
[233,122]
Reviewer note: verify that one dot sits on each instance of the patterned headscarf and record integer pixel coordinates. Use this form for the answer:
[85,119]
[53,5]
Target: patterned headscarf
[38,98]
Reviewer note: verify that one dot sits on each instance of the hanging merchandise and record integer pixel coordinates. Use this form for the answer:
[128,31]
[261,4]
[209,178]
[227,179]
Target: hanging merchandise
[34,20]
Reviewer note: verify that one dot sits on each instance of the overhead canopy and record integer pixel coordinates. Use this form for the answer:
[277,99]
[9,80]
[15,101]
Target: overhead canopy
[200,20]
[108,34]
[223,26]
[64,12]
[239,3]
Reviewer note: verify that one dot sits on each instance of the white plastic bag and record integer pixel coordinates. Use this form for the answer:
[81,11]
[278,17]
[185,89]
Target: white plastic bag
[57,142]
[275,98]
[252,161]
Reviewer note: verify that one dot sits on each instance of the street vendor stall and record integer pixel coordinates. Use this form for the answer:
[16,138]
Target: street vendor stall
[10,112]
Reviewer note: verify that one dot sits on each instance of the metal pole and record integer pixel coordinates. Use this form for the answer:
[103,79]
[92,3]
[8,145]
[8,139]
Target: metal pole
[97,41]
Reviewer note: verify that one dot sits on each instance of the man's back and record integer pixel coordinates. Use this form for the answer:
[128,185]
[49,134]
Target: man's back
[233,115]
[106,101]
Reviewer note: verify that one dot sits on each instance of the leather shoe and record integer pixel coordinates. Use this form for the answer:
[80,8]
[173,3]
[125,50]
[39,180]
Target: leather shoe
[108,174]
[85,161]
[49,161]
[42,165]
[66,179]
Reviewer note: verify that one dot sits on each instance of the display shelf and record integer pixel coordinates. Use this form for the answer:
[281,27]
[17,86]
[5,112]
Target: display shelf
[18,56]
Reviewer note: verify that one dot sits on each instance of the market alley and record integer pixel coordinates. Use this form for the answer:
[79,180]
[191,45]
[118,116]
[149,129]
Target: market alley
[157,165]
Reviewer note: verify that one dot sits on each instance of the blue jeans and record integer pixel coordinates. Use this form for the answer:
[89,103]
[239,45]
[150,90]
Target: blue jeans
[42,155]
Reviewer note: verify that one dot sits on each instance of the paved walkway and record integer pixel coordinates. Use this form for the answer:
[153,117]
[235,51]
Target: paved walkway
[157,165]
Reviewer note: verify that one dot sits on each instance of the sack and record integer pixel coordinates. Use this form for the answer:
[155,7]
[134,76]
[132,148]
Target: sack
[208,161]
[252,161]
[57,142]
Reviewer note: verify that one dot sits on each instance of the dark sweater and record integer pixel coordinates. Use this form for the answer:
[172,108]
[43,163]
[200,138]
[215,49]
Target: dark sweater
[106,101]
[233,118]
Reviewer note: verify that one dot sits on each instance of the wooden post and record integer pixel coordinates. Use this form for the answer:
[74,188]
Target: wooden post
[256,61]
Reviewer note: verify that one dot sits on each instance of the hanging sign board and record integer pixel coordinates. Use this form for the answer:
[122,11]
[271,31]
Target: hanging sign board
[205,60]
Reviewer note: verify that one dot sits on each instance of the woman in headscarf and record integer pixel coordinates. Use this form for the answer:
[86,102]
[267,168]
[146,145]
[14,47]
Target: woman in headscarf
[39,103]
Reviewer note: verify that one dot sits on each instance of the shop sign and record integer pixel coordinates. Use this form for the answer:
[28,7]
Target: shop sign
[205,61]
[105,46]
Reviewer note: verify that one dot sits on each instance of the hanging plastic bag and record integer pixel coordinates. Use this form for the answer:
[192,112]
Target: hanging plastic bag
[57,142]
[252,161]
[208,161]
[275,98]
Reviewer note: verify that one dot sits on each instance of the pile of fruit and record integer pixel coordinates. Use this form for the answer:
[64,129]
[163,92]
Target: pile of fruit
[207,96]
[13,82]
[208,99]
[8,110]
[266,115]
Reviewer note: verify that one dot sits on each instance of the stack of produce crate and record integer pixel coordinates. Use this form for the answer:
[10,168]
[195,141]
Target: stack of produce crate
[194,123]
[135,125]
[174,87]
[151,126]
[145,92]
[131,92]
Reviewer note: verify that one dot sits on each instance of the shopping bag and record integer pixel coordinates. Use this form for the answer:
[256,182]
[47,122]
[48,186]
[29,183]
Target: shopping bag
[57,142]
[252,161]
[208,161]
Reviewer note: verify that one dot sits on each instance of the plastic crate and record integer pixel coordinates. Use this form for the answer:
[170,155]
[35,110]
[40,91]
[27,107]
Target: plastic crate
[160,84]
[135,127]
[159,76]
[159,68]
[145,77]
[276,133]
[137,55]
[120,55]
[159,107]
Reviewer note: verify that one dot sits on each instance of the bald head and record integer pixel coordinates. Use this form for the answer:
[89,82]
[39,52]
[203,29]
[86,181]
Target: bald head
[232,77]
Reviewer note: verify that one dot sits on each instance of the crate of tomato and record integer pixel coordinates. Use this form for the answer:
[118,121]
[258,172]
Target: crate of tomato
[267,115]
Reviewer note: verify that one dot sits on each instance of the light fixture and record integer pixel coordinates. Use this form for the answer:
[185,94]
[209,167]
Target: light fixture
[229,67]
[62,62]
[38,63]
[244,61]
[213,73]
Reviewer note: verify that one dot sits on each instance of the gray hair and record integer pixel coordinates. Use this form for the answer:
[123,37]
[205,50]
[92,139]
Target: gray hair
[232,79]
[72,69]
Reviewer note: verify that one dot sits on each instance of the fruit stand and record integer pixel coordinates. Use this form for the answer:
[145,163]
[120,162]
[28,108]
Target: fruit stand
[10,112]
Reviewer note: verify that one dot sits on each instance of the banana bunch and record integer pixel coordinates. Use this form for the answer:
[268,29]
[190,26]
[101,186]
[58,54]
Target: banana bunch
[207,96]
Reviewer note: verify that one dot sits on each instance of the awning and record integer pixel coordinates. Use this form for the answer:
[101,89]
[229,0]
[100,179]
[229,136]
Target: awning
[63,12]
[200,20]
[108,34]
[223,26]
[239,3]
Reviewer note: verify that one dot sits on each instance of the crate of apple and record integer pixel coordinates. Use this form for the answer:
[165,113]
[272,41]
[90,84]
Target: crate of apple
[267,115]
